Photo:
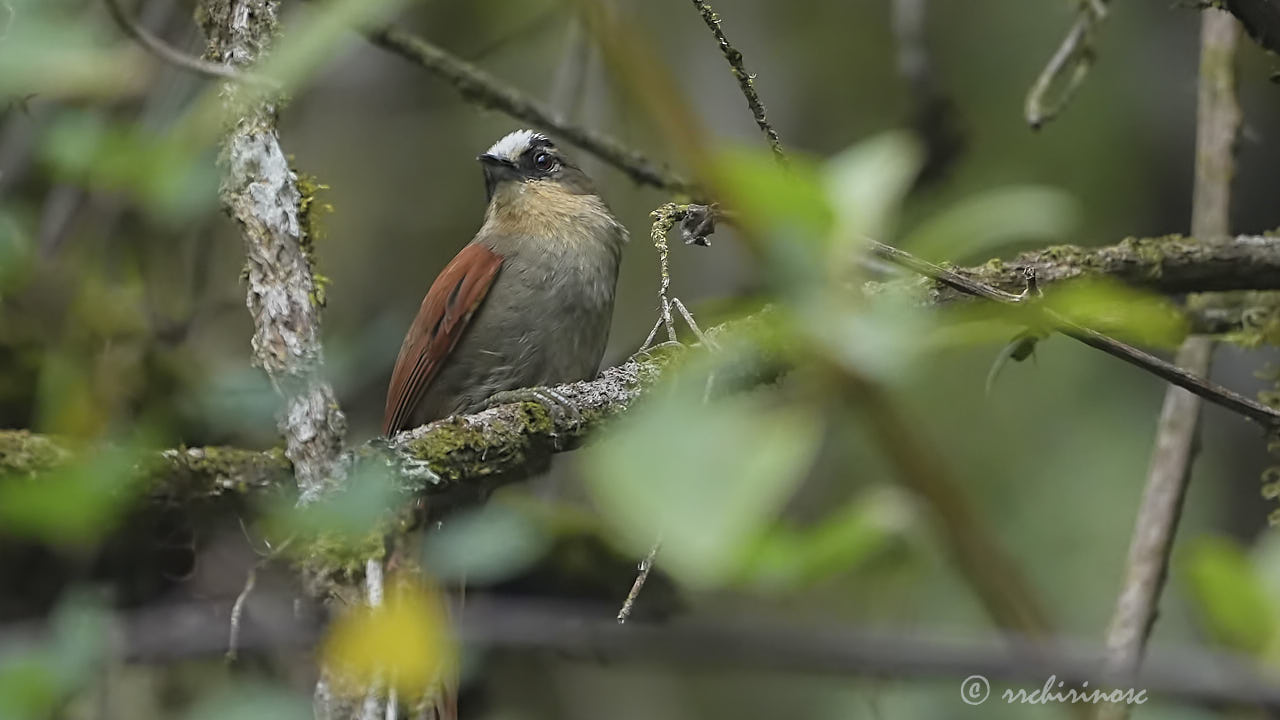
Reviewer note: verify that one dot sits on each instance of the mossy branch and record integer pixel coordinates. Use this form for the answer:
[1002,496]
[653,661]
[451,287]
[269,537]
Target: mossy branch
[1171,265]
[465,455]
[511,442]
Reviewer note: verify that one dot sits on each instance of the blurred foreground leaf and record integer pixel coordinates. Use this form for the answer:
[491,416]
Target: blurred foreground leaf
[347,516]
[867,182]
[1230,596]
[486,545]
[984,223]
[35,681]
[75,504]
[853,536]
[883,340]
[405,642]
[1120,311]
[167,174]
[706,477]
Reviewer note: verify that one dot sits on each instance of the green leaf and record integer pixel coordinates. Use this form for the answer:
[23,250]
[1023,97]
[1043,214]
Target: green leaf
[316,39]
[486,545]
[786,204]
[35,680]
[883,340]
[75,504]
[867,183]
[849,539]
[28,688]
[1229,595]
[706,477]
[1121,311]
[984,223]
[347,515]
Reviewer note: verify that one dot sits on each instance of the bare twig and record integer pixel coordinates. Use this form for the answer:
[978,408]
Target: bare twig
[746,81]
[479,87]
[663,218]
[1170,469]
[173,56]
[237,612]
[1068,67]
[642,575]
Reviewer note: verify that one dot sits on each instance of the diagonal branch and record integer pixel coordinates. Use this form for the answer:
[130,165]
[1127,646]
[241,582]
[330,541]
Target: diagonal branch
[483,89]
[746,81]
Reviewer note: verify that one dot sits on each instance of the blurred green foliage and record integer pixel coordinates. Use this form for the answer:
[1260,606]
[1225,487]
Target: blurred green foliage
[120,308]
[1237,609]
[35,681]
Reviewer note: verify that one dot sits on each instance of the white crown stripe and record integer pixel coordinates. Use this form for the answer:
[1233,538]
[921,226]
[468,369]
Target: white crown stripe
[514,144]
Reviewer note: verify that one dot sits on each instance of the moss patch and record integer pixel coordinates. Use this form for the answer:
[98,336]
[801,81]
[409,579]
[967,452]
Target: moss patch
[23,453]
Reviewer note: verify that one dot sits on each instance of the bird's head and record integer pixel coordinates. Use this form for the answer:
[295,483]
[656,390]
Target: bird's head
[525,156]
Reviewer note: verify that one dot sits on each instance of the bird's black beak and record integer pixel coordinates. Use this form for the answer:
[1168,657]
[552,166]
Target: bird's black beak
[496,169]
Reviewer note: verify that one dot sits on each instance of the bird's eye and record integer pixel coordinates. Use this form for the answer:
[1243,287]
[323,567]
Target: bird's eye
[544,161]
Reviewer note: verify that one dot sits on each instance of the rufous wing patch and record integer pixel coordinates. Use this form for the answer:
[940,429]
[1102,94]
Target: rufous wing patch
[446,310]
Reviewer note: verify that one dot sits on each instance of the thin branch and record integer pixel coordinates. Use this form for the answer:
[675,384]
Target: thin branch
[663,218]
[746,81]
[237,613]
[642,576]
[1146,570]
[1067,69]
[1214,393]
[175,57]
[483,89]
[166,633]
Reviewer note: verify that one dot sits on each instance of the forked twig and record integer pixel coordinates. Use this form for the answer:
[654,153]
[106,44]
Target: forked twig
[1073,58]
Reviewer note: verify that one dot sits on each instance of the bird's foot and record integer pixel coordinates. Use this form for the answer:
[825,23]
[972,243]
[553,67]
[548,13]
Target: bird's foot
[666,319]
[557,405]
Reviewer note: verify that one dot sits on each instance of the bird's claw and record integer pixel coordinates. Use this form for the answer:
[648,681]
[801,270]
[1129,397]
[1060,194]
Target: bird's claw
[557,405]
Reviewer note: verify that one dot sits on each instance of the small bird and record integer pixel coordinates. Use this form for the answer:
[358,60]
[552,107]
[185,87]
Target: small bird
[528,302]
